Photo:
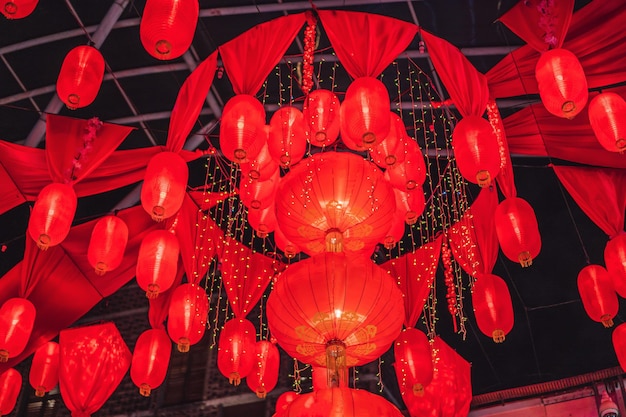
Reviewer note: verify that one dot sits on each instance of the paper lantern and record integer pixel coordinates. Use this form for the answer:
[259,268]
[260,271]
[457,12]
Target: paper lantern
[607,117]
[261,168]
[395,232]
[411,204]
[410,173]
[187,318]
[287,140]
[341,402]
[264,374]
[241,129]
[167,27]
[151,358]
[414,364]
[107,244]
[615,261]
[619,344]
[263,221]
[322,378]
[390,150]
[476,150]
[236,350]
[598,295]
[44,370]
[80,77]
[157,262]
[289,248]
[321,117]
[17,317]
[283,402]
[10,385]
[164,186]
[258,195]
[52,215]
[17,9]
[517,230]
[562,83]
[493,308]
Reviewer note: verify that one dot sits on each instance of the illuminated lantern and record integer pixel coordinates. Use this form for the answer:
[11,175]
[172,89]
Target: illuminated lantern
[164,186]
[365,112]
[264,374]
[167,27]
[476,150]
[389,151]
[10,385]
[289,248]
[241,129]
[321,116]
[157,262]
[52,215]
[236,349]
[395,232]
[17,9]
[619,344]
[263,221]
[261,168]
[287,141]
[17,316]
[344,402]
[258,195]
[492,306]
[562,83]
[151,358]
[411,172]
[414,363]
[607,117]
[323,379]
[615,261]
[598,295]
[44,371]
[107,244]
[187,318]
[411,204]
[80,77]
[283,402]
[517,230]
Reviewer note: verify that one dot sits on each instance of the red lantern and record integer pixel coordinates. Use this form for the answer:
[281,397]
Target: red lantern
[322,378]
[10,385]
[241,131]
[414,363]
[619,344]
[44,371]
[263,221]
[476,150]
[187,318]
[261,168]
[395,232]
[107,244]
[289,248]
[80,77]
[167,27]
[492,306]
[257,195]
[562,83]
[411,204]
[321,116]
[411,172]
[284,400]
[151,358]
[52,216]
[17,317]
[287,141]
[607,117]
[264,374]
[164,186]
[615,261]
[17,9]
[598,295]
[236,354]
[341,402]
[517,230]
[157,262]
[389,151]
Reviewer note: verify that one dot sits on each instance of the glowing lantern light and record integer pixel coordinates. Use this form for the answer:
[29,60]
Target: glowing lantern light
[262,167]
[236,349]
[287,141]
[562,83]
[323,379]
[607,117]
[241,131]
[517,230]
[411,172]
[80,77]
[414,364]
[411,204]
[321,116]
[10,385]
[151,358]
[52,215]
[187,318]
[164,186]
[264,374]
[619,344]
[492,306]
[258,195]
[615,261]
[167,27]
[389,151]
[17,317]
[345,402]
[107,244]
[289,248]
[598,295]
[17,9]
[476,150]
[263,221]
[157,262]
[44,371]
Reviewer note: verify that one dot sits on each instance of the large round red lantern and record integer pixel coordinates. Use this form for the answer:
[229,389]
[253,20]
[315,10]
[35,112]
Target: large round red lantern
[262,167]
[619,344]
[80,76]
[157,262]
[321,116]
[615,261]
[241,129]
[17,9]
[151,358]
[52,215]
[287,141]
[493,308]
[410,173]
[341,402]
[17,317]
[598,295]
[107,244]
[236,354]
[263,221]
[517,230]
[411,204]
[44,370]
[264,374]
[414,362]
[562,83]
[10,385]
[390,150]
[607,117]
[258,195]
[167,27]
[164,185]
[476,150]
[187,317]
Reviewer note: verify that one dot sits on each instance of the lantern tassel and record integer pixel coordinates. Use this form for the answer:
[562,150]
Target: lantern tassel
[483,178]
[43,242]
[234,379]
[4,356]
[525,259]
[261,392]
[40,391]
[153,291]
[418,390]
[145,390]
[183,345]
[498,336]
[607,321]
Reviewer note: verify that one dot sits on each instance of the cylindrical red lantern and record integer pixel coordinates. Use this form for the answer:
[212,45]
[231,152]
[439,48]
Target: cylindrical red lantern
[562,82]
[411,204]
[517,230]
[17,317]
[410,173]
[80,77]
[476,150]
[258,195]
[321,116]
[187,318]
[287,141]
[289,248]
[236,354]
[44,371]
[615,261]
[341,402]
[492,306]
[157,262]
[598,295]
[619,344]
[17,9]
[263,221]
[264,374]
[107,244]
[151,358]
[164,185]
[414,363]
[241,129]
[389,151]
[261,168]
[10,386]
[167,27]
[52,215]
[607,117]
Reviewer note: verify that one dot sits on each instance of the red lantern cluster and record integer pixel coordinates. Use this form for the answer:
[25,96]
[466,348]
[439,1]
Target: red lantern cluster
[52,215]
[492,306]
[517,230]
[157,262]
[236,349]
[151,358]
[321,111]
[80,77]
[476,150]
[17,317]
[187,318]
[17,9]
[263,376]
[107,244]
[164,186]
[607,117]
[241,128]
[44,370]
[167,27]
[414,362]
[10,385]
[598,295]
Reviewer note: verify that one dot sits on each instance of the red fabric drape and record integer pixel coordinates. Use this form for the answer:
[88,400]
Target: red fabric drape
[251,56]
[205,200]
[27,168]
[366,43]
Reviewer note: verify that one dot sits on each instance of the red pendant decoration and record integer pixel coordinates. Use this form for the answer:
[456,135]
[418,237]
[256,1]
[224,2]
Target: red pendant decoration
[517,230]
[107,244]
[52,215]
[321,117]
[264,374]
[157,262]
[164,185]
[410,204]
[263,221]
[476,150]
[410,173]
[607,117]
[241,129]
[17,9]
[80,77]
[151,358]
[287,141]
[10,386]
[492,306]
[598,295]
[344,402]
[615,261]
[395,232]
[17,317]
[187,318]
[619,344]
[414,362]
[236,349]
[167,27]
[44,371]
[390,150]
[258,195]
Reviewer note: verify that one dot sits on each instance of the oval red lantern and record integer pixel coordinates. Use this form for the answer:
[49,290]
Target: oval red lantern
[517,230]
[80,77]
[284,400]
[157,262]
[287,140]
[411,172]
[17,9]
[17,317]
[258,195]
[321,117]
[562,82]
[607,117]
[187,317]
[164,185]
[107,244]
[493,308]
[598,295]
[390,150]
[615,261]
[151,358]
[264,374]
[411,204]
[10,385]
[476,150]
[241,128]
[52,215]
[619,344]
[261,168]
[235,353]
[263,221]
[44,371]
[395,232]
[344,402]
[289,248]
[167,27]
[414,363]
